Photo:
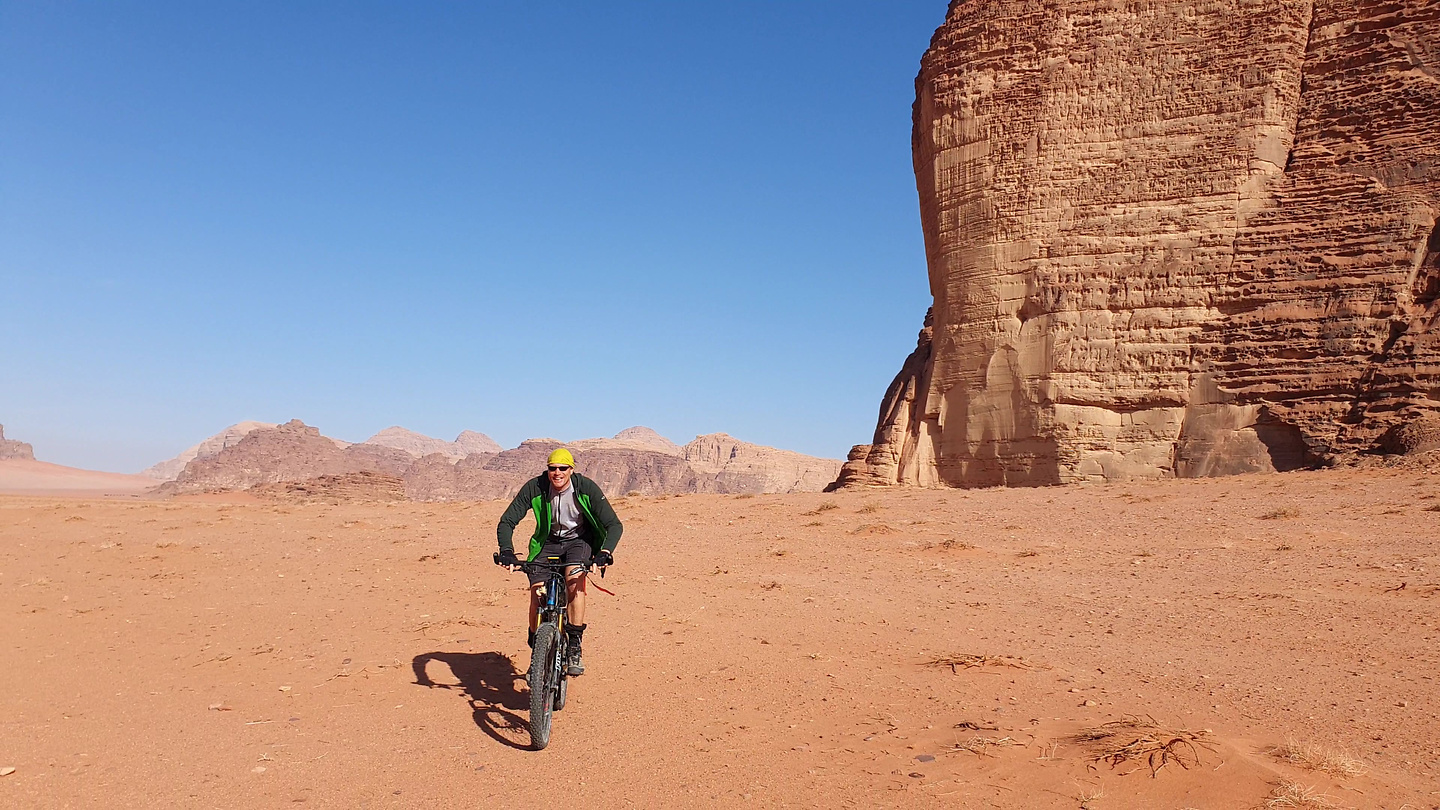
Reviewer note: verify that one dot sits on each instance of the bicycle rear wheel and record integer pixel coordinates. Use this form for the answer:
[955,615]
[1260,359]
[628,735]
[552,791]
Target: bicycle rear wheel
[542,698]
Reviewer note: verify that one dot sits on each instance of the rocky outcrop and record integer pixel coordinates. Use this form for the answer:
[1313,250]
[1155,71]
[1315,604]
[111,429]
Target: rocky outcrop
[646,437]
[169,469]
[469,443]
[293,451]
[1170,240]
[11,449]
[418,444]
[741,467]
[345,488]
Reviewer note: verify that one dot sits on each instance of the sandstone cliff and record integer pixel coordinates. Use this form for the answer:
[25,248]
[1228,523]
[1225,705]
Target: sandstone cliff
[11,449]
[1168,239]
[742,467]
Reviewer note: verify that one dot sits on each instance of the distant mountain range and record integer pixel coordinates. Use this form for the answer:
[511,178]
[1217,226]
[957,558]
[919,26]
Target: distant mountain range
[297,459]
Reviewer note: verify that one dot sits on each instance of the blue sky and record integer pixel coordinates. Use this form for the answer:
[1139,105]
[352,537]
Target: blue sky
[528,219]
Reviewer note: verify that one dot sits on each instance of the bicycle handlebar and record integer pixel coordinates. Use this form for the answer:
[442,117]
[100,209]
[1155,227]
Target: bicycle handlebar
[526,565]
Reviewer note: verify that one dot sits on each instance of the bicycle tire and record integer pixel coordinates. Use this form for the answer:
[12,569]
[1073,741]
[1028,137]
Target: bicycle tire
[542,700]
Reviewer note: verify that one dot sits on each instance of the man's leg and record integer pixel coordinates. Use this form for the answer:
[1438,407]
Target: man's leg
[534,610]
[575,585]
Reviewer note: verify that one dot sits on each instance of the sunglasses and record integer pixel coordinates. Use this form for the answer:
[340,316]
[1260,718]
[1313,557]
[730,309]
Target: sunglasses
[558,467]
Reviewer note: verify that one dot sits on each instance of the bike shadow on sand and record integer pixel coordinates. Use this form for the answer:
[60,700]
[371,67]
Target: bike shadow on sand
[488,680]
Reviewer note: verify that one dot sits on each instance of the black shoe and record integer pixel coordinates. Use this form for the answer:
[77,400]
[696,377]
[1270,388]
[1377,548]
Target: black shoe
[530,639]
[573,635]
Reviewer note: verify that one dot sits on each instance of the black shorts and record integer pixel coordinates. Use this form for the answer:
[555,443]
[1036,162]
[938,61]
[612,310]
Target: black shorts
[576,552]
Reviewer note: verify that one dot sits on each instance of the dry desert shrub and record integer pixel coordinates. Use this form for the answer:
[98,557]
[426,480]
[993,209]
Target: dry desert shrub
[824,507]
[1280,514]
[1289,794]
[742,496]
[969,660]
[1134,739]
[869,509]
[1316,758]
[874,528]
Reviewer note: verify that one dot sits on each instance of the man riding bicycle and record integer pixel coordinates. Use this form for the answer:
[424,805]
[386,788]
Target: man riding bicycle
[573,522]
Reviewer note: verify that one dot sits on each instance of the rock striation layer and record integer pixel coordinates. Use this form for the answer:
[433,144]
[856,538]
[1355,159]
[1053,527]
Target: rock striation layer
[11,449]
[1170,239]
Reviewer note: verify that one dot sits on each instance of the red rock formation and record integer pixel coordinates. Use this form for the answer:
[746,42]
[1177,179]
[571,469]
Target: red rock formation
[1169,239]
[293,451]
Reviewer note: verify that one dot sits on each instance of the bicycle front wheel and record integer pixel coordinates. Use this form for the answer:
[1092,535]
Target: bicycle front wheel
[542,701]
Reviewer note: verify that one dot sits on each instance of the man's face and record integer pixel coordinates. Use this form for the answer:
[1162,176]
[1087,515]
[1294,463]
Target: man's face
[559,475]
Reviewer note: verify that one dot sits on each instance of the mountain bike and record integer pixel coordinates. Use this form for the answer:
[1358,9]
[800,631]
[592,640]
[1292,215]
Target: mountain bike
[547,677]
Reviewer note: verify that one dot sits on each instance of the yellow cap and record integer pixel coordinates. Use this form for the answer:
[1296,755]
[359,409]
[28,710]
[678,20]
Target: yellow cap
[561,456]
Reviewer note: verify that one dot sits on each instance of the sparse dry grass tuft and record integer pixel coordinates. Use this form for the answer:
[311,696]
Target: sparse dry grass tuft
[968,660]
[1289,794]
[869,508]
[1281,514]
[1317,758]
[1028,554]
[828,506]
[1134,739]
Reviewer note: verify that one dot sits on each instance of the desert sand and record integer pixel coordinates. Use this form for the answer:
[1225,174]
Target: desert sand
[759,651]
[31,477]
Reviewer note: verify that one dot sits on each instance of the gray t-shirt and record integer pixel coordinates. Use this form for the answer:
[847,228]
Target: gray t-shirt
[569,523]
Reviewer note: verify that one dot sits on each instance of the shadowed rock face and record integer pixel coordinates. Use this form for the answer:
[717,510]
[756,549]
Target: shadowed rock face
[1169,240]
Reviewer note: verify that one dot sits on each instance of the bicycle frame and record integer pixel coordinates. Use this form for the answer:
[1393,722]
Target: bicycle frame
[547,674]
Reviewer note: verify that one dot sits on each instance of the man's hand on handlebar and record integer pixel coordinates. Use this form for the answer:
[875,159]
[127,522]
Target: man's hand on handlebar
[603,558]
[507,558]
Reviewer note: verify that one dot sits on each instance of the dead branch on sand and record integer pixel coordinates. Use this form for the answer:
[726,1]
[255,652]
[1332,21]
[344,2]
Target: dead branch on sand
[980,746]
[969,660]
[1134,740]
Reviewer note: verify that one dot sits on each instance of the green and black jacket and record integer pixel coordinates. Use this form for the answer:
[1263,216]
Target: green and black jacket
[602,528]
